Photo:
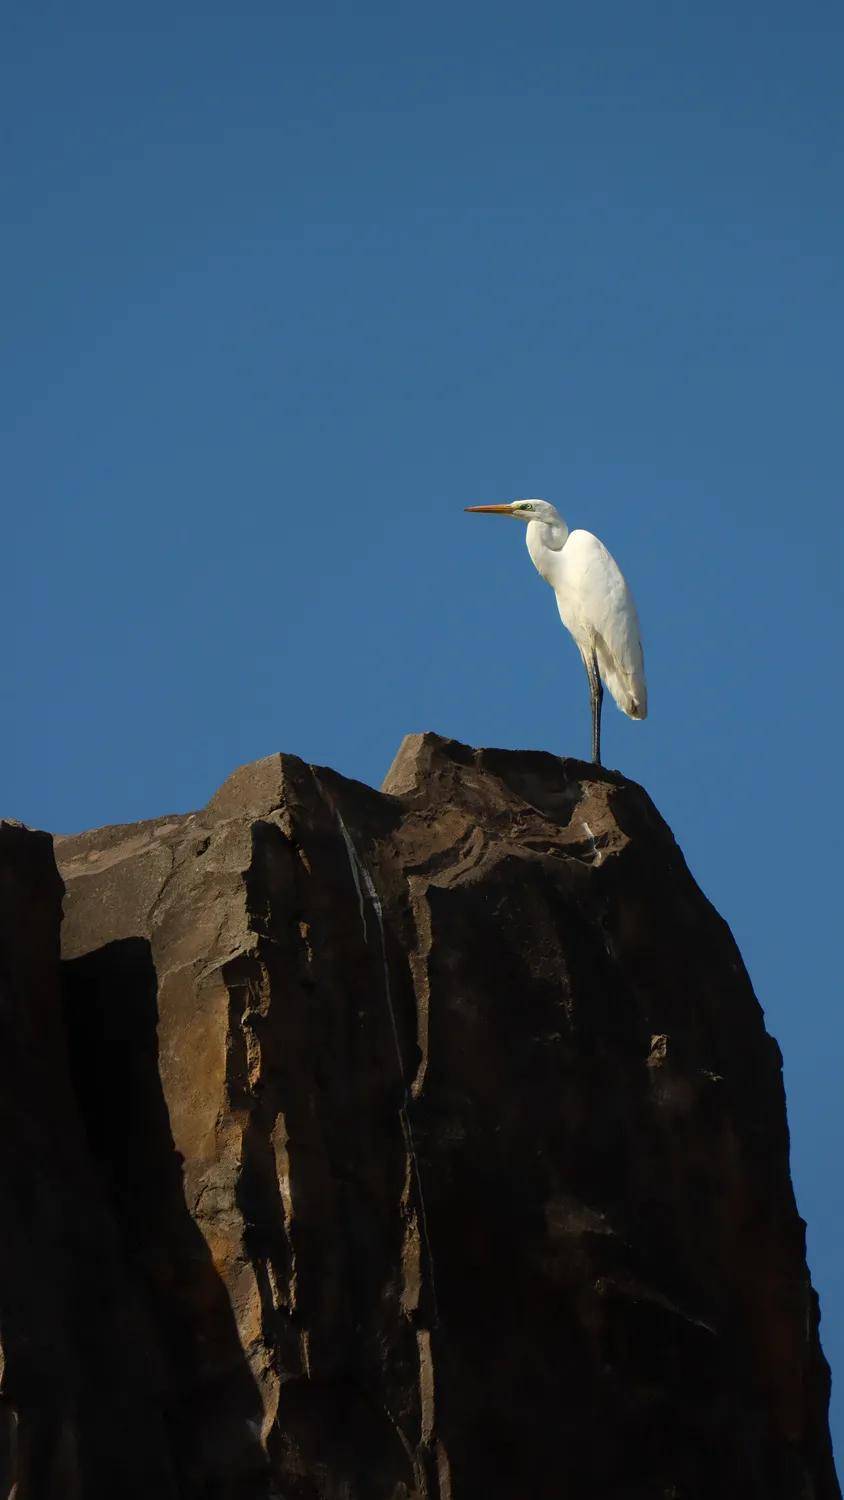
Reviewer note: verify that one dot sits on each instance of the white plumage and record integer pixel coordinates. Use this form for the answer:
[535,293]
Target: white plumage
[595,605]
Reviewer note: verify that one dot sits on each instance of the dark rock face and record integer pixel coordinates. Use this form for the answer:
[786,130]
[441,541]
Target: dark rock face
[421,1144]
[78,1404]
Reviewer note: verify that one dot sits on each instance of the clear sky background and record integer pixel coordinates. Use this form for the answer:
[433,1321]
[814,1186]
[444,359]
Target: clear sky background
[287,285]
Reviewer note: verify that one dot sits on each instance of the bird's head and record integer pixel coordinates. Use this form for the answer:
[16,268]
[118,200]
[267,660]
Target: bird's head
[520,510]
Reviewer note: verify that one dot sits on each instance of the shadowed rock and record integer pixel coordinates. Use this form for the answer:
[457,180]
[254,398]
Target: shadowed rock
[439,1142]
[78,1408]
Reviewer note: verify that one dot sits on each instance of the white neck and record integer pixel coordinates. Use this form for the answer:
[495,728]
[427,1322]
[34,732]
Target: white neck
[545,541]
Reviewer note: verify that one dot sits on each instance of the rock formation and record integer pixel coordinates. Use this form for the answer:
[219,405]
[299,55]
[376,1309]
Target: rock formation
[423,1143]
[77,1404]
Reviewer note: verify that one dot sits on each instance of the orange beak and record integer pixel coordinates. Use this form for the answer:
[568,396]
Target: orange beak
[489,510]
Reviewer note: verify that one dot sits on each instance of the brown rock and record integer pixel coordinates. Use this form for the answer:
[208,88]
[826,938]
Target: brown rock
[444,1142]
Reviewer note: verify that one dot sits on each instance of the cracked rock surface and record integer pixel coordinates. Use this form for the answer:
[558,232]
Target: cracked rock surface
[421,1143]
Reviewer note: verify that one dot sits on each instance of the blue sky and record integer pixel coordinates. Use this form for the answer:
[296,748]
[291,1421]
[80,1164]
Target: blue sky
[286,287]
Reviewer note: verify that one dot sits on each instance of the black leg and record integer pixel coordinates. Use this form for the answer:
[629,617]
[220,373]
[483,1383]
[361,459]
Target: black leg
[596,698]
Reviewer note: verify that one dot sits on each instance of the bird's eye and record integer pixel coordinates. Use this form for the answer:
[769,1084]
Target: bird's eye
[526,507]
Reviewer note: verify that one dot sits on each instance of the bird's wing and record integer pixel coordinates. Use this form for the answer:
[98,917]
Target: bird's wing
[596,604]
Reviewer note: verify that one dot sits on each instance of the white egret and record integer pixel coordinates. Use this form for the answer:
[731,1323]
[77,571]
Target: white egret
[595,605]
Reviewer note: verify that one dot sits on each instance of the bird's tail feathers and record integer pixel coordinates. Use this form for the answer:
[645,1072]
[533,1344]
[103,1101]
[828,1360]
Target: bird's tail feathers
[628,688]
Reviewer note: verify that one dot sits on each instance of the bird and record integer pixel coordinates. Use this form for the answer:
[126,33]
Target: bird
[595,605]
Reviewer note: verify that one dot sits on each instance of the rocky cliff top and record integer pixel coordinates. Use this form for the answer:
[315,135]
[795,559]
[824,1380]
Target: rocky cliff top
[441,1146]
